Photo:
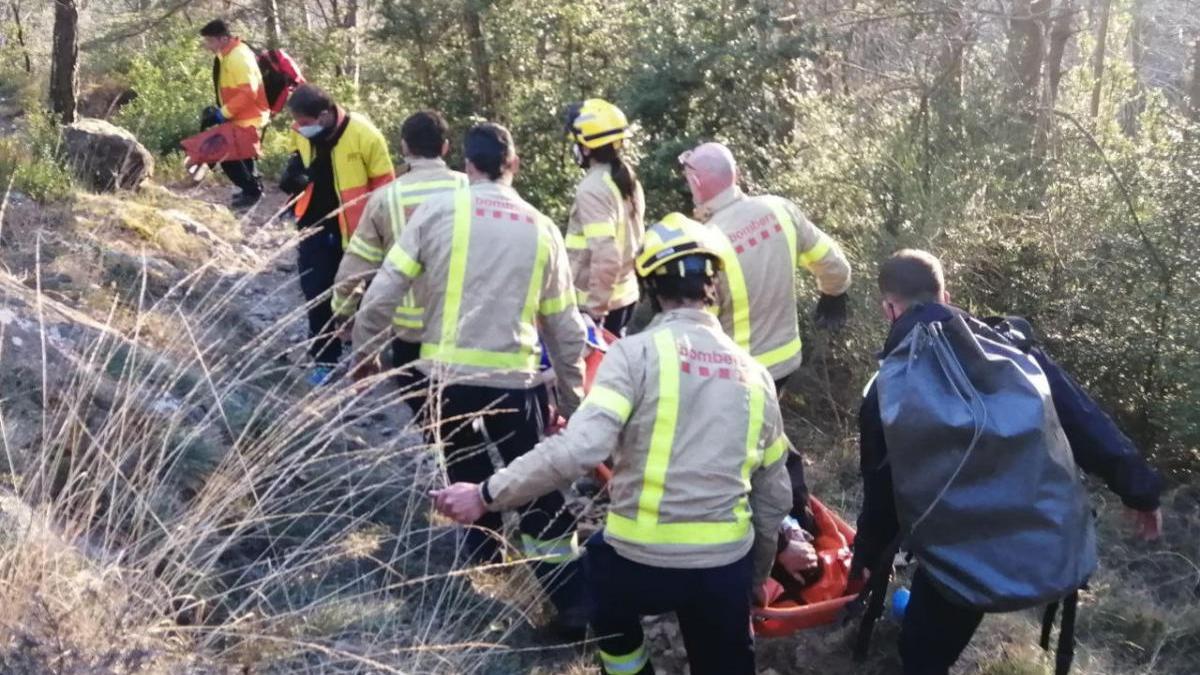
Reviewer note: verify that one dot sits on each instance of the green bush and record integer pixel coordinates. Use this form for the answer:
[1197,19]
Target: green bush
[31,162]
[173,81]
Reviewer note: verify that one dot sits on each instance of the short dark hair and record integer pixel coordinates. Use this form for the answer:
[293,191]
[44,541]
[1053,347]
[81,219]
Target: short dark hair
[215,28]
[489,146]
[425,133]
[912,275]
[310,100]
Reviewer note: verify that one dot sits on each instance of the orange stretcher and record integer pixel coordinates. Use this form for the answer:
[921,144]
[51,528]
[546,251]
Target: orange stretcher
[225,142]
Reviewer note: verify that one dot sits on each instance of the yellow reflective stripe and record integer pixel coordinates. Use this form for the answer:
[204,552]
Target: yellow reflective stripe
[779,354]
[446,184]
[599,230]
[624,664]
[533,294]
[662,438]
[606,398]
[775,451]
[555,305]
[456,271]
[694,534]
[409,311]
[576,241]
[403,262]
[739,296]
[414,324]
[625,288]
[741,511]
[407,316]
[785,221]
[819,250]
[581,297]
[482,358]
[552,551]
[396,213]
[342,306]
[620,225]
[360,248]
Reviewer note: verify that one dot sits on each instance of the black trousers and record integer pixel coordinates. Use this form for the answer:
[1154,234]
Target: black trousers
[712,604]
[243,173]
[513,420]
[319,256]
[795,469]
[616,320]
[409,380]
[935,631]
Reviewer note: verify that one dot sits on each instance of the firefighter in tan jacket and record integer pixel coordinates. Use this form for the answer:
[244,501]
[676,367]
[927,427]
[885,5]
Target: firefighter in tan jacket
[606,224]
[768,237]
[699,487]
[494,274]
[424,144]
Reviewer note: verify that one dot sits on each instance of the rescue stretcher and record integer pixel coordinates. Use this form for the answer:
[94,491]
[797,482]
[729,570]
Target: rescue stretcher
[820,603]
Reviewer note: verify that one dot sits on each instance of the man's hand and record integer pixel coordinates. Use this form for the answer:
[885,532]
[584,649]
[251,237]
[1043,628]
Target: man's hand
[831,312]
[461,502]
[798,557]
[1147,525]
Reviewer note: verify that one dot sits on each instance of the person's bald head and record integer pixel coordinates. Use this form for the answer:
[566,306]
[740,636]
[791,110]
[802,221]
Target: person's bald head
[710,170]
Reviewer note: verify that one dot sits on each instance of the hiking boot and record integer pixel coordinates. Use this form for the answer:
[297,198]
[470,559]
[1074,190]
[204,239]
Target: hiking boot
[245,200]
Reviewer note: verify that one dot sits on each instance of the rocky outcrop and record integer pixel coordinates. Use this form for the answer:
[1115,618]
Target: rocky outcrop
[106,157]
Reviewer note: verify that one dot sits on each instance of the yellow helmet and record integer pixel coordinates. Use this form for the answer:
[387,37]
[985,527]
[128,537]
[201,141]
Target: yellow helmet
[674,238]
[595,122]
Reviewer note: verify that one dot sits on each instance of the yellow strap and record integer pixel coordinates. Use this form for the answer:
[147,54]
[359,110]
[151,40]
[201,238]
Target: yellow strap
[403,263]
[819,250]
[625,664]
[456,271]
[555,305]
[599,230]
[369,253]
[480,358]
[603,397]
[662,438]
[779,354]
[576,242]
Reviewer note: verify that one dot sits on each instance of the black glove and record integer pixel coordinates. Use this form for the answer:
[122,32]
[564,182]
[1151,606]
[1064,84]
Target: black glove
[831,312]
[294,178]
[210,117]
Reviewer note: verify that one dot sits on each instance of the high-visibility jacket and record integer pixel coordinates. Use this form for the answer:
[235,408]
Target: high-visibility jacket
[767,238]
[239,85]
[495,275]
[382,221]
[603,236]
[361,164]
[696,438]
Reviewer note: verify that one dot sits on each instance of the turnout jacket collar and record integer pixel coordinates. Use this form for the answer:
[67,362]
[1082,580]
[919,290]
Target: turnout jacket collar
[724,199]
[234,43]
[425,163]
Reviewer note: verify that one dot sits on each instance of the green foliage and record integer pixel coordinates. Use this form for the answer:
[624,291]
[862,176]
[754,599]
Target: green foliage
[173,82]
[31,162]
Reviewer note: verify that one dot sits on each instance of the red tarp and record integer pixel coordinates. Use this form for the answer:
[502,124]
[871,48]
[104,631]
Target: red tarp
[223,143]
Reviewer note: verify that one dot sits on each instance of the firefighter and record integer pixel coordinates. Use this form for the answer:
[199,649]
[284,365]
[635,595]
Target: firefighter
[605,228]
[424,144]
[241,99]
[494,273]
[699,488]
[766,237]
[339,159]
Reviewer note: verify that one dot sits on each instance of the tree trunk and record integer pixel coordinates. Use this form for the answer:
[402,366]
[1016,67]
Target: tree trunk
[353,34]
[1132,106]
[1098,57]
[1061,29]
[948,88]
[473,26]
[270,10]
[1194,89]
[64,60]
[16,10]
[1027,52]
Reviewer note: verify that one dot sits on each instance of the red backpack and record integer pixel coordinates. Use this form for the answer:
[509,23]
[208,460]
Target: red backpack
[281,74]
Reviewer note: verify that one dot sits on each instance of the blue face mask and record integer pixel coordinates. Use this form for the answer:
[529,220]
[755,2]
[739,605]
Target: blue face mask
[311,130]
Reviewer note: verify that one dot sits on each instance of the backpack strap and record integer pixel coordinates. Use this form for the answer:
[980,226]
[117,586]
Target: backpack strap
[1065,652]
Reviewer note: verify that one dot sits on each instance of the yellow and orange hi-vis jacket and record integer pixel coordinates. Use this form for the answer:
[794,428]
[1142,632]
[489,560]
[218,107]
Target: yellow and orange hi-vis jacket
[361,165]
[239,85]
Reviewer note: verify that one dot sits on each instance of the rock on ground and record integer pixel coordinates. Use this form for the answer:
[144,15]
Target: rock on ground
[106,157]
